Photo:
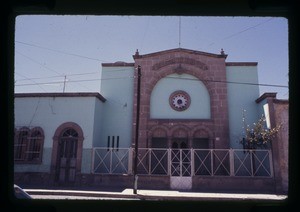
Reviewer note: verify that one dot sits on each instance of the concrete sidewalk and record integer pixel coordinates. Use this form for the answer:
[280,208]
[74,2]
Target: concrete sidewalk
[161,195]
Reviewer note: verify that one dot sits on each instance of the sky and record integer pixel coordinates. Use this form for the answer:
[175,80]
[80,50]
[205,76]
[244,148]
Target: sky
[64,53]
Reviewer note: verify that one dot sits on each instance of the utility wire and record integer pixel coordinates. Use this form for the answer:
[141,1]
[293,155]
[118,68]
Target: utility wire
[32,60]
[86,80]
[232,82]
[242,31]
[68,75]
[32,81]
[58,51]
[215,81]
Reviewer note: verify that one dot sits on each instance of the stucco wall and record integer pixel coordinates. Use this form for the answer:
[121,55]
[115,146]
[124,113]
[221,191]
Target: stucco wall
[49,113]
[98,116]
[200,99]
[117,88]
[241,97]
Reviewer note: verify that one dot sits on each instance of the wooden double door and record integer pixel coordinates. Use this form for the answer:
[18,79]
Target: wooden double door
[67,158]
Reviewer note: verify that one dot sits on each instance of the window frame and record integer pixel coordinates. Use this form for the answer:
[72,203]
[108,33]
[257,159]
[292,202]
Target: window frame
[31,142]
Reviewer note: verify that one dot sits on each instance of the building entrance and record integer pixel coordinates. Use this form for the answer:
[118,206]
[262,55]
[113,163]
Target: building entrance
[66,161]
[180,165]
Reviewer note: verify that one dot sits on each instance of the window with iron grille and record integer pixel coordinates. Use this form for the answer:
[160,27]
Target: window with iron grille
[28,145]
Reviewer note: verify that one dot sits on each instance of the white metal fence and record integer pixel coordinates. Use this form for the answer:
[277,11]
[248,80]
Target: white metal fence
[184,162]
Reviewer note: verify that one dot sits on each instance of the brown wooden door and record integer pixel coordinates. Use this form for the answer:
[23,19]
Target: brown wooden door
[66,163]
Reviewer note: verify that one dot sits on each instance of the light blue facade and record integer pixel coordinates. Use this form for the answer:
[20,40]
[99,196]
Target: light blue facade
[49,113]
[112,119]
[241,99]
[159,102]
[117,86]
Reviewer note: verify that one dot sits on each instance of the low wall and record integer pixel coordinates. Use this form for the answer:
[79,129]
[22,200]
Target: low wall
[201,184]
[234,184]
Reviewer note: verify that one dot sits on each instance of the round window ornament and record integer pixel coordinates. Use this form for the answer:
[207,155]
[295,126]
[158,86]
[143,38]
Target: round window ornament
[180,100]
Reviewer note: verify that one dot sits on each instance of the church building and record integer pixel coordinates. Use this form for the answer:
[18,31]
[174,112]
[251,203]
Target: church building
[191,110]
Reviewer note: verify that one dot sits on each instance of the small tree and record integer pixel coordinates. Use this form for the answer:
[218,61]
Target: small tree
[258,137]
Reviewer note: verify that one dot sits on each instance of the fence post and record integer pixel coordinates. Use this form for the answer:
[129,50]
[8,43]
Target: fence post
[169,162]
[93,161]
[251,162]
[130,157]
[192,163]
[212,162]
[231,162]
[149,160]
[270,163]
[111,161]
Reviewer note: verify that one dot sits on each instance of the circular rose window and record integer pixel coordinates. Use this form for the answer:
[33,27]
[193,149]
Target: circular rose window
[180,100]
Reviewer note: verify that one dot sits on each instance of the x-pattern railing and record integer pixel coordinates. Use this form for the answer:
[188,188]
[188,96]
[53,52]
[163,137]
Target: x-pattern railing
[121,161]
[160,161]
[252,163]
[222,162]
[203,156]
[184,162]
[242,168]
[111,161]
[261,163]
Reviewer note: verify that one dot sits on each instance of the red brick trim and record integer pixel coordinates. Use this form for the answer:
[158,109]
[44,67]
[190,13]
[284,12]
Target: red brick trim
[55,149]
[159,65]
[157,127]
[194,52]
[180,60]
[281,101]
[264,96]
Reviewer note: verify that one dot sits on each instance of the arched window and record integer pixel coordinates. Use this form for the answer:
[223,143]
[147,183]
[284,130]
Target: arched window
[28,145]
[20,145]
[200,139]
[159,138]
[68,142]
[34,151]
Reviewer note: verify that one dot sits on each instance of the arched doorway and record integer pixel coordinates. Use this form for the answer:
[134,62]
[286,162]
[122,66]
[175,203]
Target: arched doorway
[67,153]
[180,160]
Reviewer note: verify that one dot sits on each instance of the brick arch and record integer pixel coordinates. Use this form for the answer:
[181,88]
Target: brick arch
[180,131]
[55,150]
[201,131]
[67,125]
[191,70]
[158,131]
[180,60]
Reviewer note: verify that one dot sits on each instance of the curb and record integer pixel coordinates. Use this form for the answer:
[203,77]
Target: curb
[159,197]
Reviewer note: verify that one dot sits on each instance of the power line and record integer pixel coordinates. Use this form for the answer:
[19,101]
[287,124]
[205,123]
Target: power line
[242,31]
[114,78]
[59,51]
[252,27]
[34,61]
[32,81]
[72,81]
[49,77]
[232,82]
